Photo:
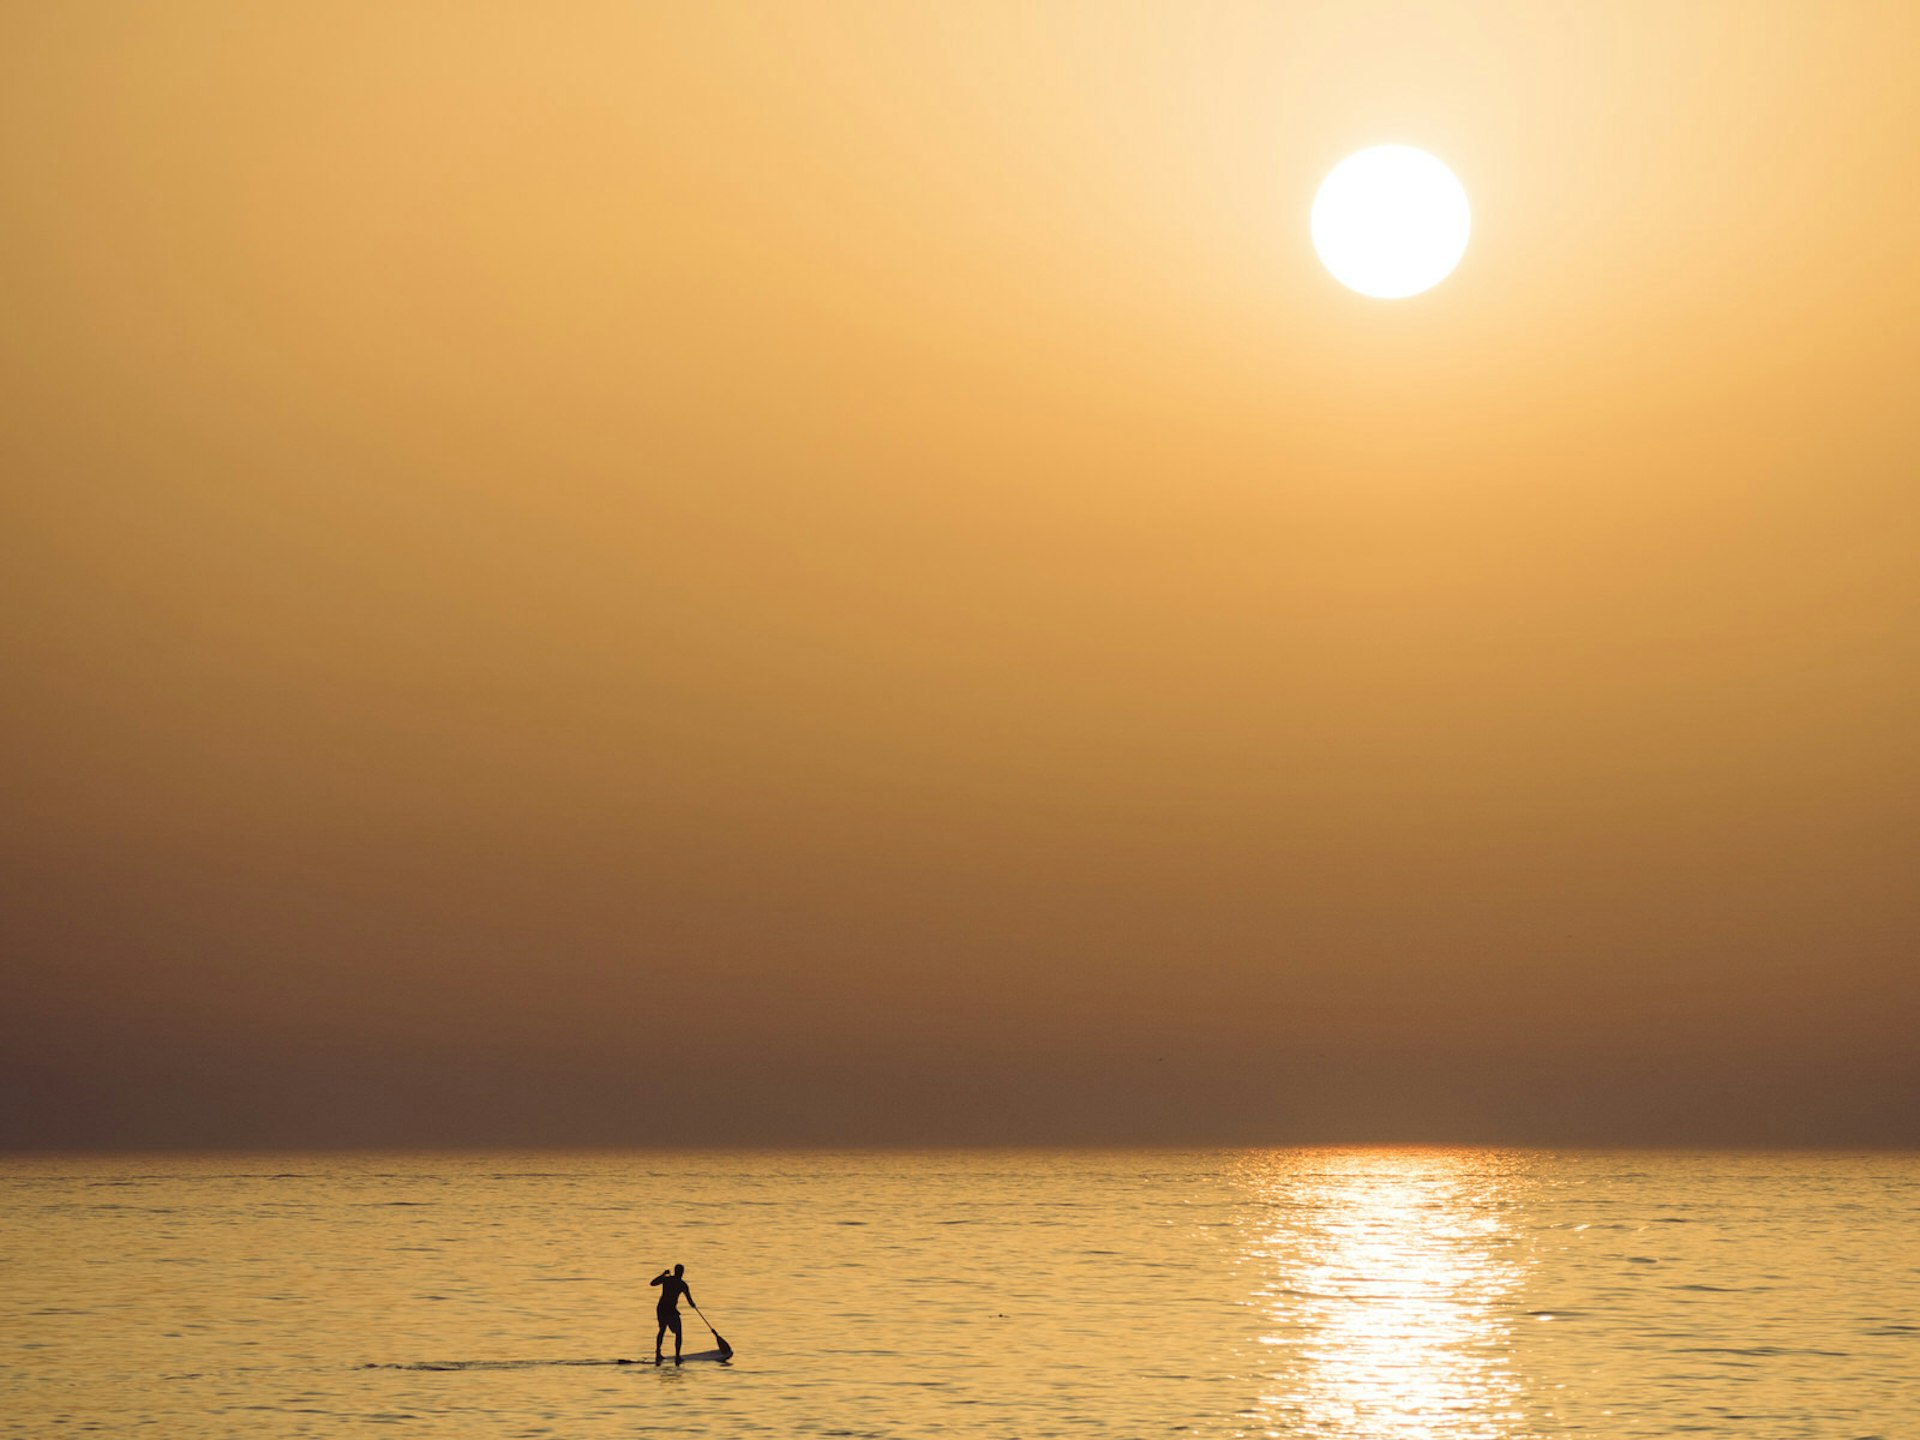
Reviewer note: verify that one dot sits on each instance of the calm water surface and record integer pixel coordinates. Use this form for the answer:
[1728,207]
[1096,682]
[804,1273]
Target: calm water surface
[1428,1294]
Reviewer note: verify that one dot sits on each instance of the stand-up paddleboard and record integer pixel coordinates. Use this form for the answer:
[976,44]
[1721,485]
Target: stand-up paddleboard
[719,1356]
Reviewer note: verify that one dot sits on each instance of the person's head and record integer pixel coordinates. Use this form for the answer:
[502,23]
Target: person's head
[678,1271]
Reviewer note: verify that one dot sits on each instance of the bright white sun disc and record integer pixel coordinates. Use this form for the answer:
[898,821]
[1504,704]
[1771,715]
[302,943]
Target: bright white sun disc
[1390,222]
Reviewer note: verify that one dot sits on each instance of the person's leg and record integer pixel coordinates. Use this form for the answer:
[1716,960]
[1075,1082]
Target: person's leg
[676,1339]
[658,1336]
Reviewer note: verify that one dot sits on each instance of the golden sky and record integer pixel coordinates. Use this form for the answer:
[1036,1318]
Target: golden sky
[828,571]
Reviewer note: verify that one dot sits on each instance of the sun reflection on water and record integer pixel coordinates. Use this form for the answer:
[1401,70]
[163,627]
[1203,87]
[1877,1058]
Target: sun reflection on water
[1384,1281]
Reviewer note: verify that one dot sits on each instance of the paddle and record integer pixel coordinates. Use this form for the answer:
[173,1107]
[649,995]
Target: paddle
[726,1350]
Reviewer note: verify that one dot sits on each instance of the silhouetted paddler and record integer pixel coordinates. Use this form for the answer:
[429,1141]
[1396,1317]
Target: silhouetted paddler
[667,1311]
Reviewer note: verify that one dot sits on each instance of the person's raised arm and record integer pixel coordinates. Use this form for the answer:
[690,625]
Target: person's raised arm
[661,1277]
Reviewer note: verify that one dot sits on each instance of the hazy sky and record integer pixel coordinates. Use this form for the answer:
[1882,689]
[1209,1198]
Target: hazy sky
[836,572]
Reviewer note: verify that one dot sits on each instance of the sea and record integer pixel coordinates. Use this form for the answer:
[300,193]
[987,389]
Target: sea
[1419,1294]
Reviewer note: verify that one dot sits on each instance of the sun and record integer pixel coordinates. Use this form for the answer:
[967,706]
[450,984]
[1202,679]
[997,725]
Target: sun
[1390,222]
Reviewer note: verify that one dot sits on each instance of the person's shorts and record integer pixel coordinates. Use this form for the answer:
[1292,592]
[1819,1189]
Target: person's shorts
[670,1319]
